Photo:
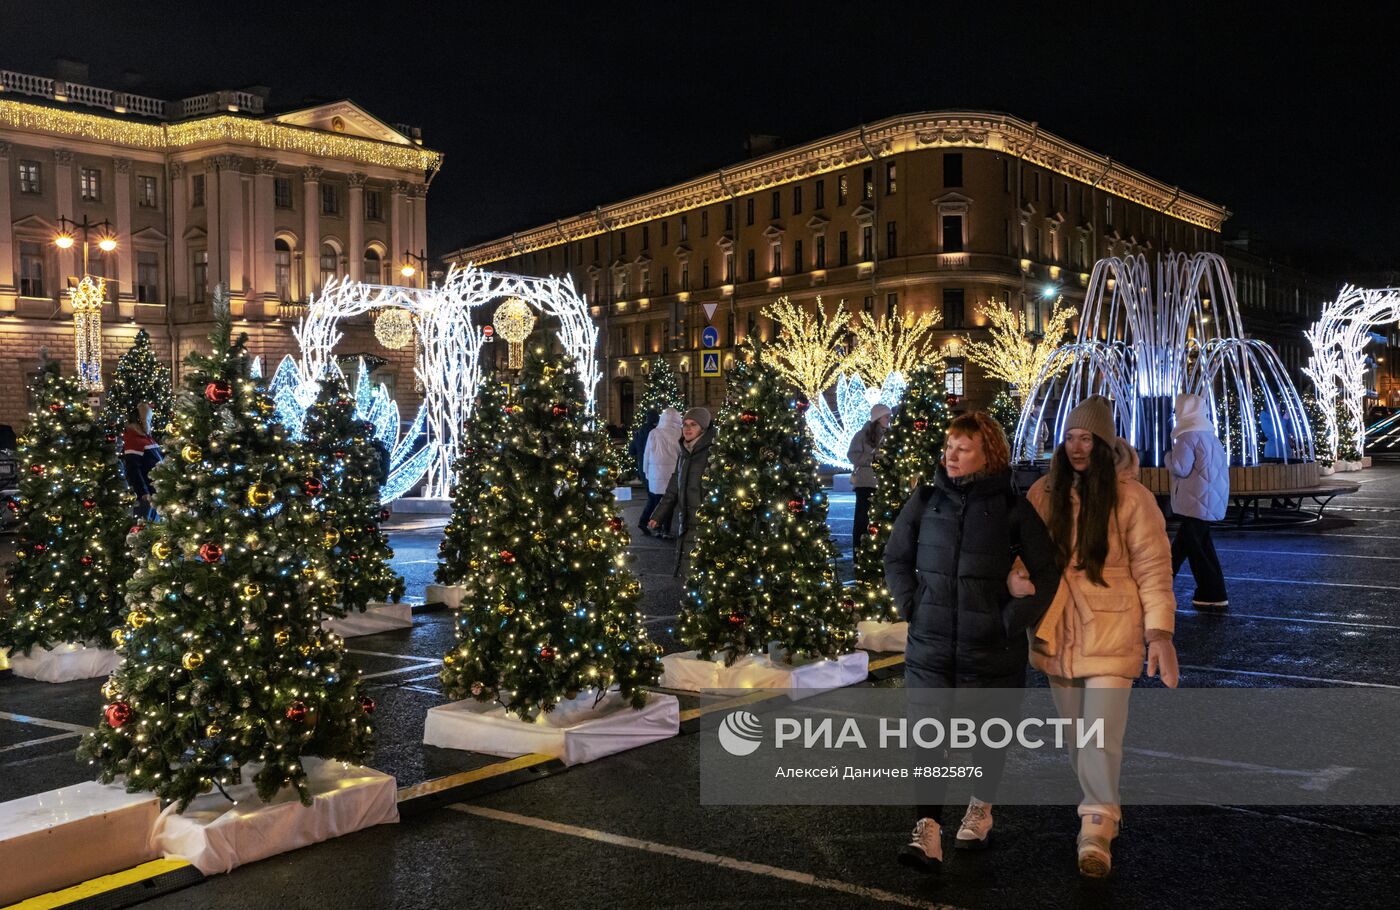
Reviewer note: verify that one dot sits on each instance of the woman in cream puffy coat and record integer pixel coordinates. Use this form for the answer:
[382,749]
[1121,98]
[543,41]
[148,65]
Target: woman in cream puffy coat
[1114,607]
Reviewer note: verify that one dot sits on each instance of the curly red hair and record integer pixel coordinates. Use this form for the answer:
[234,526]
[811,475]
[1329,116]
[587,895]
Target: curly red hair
[981,425]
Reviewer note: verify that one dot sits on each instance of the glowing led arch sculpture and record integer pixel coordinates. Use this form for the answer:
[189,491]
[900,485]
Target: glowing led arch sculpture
[1337,366]
[1145,338]
[449,350]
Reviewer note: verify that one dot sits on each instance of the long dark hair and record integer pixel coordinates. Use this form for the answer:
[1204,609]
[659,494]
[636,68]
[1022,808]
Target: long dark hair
[1098,499]
[873,433]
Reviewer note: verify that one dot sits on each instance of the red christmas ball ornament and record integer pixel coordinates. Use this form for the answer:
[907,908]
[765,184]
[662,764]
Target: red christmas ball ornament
[615,523]
[55,407]
[748,416]
[85,560]
[344,402]
[296,712]
[218,391]
[354,557]
[211,552]
[118,714]
[312,486]
[802,405]
[546,653]
[366,704]
[509,409]
[559,410]
[874,530]
[40,547]
[848,604]
[89,503]
[111,437]
[338,454]
[383,514]
[36,469]
[508,557]
[921,425]
[12,504]
[951,400]
[736,619]
[134,529]
[795,505]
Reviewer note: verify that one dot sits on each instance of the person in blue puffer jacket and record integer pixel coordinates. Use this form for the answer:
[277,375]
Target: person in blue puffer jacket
[1200,483]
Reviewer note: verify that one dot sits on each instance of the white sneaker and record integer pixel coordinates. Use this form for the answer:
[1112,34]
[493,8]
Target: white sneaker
[1096,834]
[925,848]
[1218,604]
[976,826]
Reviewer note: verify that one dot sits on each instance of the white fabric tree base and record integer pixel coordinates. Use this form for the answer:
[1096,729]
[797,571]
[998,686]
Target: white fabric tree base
[218,836]
[622,494]
[444,594]
[841,483]
[54,840]
[377,618]
[882,636]
[65,663]
[4,658]
[574,732]
[802,678]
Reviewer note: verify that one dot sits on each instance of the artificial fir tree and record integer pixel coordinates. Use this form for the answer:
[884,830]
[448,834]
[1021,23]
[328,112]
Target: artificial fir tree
[1005,411]
[226,664]
[909,455]
[548,610]
[1317,423]
[141,376]
[762,569]
[65,584]
[352,465]
[484,436]
[663,391]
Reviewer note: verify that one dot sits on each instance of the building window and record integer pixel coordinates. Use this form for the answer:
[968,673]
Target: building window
[867,181]
[952,169]
[952,233]
[1010,242]
[821,194]
[282,192]
[196,191]
[622,243]
[90,184]
[891,240]
[891,306]
[147,277]
[374,266]
[646,337]
[1006,174]
[646,236]
[374,206]
[665,280]
[953,299]
[282,257]
[30,178]
[777,204]
[841,189]
[753,269]
[729,267]
[843,249]
[890,178]
[145,191]
[868,308]
[646,282]
[705,272]
[819,254]
[797,199]
[665,233]
[1108,211]
[330,199]
[953,377]
[867,243]
[685,276]
[748,210]
[200,286]
[705,223]
[797,256]
[685,229]
[729,216]
[31,269]
[1037,186]
[330,263]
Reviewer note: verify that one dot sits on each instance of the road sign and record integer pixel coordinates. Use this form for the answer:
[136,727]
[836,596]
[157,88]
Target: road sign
[710,311]
[709,363]
[710,337]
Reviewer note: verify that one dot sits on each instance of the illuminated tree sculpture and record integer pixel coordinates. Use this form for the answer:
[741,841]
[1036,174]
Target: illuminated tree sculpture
[225,662]
[892,345]
[1337,366]
[809,350]
[65,584]
[1014,355]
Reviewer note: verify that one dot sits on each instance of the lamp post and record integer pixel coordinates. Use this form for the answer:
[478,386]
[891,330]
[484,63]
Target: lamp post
[413,263]
[88,294]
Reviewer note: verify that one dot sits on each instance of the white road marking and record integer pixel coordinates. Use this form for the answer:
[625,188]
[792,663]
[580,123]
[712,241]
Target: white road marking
[1320,584]
[1316,780]
[699,856]
[1321,679]
[422,666]
[1223,614]
[410,657]
[1304,553]
[42,722]
[34,742]
[659,619]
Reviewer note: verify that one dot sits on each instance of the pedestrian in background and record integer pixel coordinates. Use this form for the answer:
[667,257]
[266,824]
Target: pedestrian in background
[861,453]
[663,448]
[1200,476]
[947,566]
[637,447]
[685,490]
[1115,597]
[140,454]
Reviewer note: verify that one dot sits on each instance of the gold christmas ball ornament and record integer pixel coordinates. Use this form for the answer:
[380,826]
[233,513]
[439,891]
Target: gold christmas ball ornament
[448,659]
[160,550]
[109,690]
[281,637]
[213,730]
[192,453]
[253,542]
[259,495]
[332,537]
[505,609]
[251,590]
[192,660]
[137,618]
[118,637]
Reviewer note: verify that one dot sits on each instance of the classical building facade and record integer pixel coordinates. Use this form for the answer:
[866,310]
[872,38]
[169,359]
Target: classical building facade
[940,212]
[198,192]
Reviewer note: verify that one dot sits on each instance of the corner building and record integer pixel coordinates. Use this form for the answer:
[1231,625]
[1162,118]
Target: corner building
[921,212]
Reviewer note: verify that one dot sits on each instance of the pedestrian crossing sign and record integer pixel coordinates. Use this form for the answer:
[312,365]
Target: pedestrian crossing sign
[709,363]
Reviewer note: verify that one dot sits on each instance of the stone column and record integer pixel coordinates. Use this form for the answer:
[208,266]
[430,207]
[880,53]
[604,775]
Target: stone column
[396,231]
[418,201]
[264,231]
[214,227]
[177,286]
[8,291]
[356,252]
[63,196]
[311,242]
[126,256]
[232,223]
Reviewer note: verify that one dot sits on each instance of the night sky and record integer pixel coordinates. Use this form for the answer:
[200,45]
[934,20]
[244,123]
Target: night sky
[548,109]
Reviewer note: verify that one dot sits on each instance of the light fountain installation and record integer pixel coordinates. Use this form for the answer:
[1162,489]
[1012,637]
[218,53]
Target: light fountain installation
[1146,337]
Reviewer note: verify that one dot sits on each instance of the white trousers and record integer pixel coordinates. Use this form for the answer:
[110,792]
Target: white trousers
[1091,699]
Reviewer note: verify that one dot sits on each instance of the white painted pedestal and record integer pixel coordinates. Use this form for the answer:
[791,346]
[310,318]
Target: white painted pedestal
[574,732]
[218,836]
[882,636]
[444,594]
[377,618]
[65,663]
[54,840]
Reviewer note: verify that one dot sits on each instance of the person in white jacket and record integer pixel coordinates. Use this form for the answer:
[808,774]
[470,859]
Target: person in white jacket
[1200,475]
[659,463]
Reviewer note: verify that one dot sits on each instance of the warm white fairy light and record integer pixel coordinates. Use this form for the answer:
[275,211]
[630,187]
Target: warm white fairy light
[394,328]
[87,330]
[513,320]
[1338,362]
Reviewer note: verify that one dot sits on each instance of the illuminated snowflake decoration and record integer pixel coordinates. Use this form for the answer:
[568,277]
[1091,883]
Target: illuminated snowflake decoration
[1337,366]
[394,329]
[833,431]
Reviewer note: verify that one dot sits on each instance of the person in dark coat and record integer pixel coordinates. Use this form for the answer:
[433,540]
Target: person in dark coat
[948,564]
[638,446]
[684,492]
[140,454]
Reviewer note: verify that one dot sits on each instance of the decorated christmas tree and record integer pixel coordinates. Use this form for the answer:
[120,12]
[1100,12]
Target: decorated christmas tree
[762,569]
[663,391]
[908,455]
[141,376]
[65,584]
[352,465]
[1317,423]
[548,610]
[485,434]
[1349,433]
[1006,411]
[226,665]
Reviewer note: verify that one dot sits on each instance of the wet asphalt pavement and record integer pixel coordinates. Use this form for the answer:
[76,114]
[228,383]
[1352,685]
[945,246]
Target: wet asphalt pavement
[1311,606]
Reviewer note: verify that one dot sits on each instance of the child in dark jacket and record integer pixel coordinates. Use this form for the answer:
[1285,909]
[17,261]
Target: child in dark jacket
[140,453]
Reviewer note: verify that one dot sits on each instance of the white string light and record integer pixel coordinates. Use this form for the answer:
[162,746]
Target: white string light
[1338,361]
[833,432]
[87,331]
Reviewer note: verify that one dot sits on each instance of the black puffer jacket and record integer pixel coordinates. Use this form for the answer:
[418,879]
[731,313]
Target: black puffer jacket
[946,566]
[684,492]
